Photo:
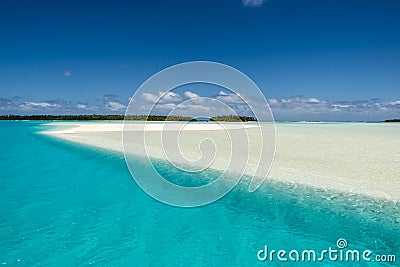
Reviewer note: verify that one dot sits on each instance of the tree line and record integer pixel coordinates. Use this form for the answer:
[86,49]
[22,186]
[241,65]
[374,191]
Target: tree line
[233,118]
[392,120]
[228,118]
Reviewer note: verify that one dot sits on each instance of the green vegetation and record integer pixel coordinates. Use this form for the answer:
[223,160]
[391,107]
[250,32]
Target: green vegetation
[62,117]
[233,118]
[95,117]
[229,118]
[158,118]
[392,120]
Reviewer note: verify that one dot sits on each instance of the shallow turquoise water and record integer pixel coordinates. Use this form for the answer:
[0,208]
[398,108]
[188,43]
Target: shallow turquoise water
[64,204]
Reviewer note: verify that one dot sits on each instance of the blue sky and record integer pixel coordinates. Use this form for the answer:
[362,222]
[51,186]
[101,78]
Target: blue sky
[326,60]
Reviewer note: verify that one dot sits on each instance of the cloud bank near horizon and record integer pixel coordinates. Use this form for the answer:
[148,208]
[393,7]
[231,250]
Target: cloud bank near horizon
[294,108]
[253,3]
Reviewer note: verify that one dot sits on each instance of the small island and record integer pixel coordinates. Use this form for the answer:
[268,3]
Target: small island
[233,118]
[392,120]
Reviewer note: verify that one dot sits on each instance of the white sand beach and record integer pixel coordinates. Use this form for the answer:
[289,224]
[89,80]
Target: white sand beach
[359,158]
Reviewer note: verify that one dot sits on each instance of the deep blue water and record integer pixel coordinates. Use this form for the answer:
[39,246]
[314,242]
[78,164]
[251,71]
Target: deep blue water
[63,204]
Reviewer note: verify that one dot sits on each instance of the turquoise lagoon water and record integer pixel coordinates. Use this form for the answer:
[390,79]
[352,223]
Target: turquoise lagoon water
[64,204]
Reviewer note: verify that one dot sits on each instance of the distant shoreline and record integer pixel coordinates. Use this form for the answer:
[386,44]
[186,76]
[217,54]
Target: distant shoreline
[94,117]
[393,120]
[226,118]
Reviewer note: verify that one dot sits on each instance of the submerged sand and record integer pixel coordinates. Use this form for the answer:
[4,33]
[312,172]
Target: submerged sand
[359,158]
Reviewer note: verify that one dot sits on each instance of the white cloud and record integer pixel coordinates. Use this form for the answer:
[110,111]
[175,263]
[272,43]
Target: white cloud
[115,106]
[194,108]
[273,101]
[67,73]
[6,103]
[229,98]
[161,97]
[37,105]
[314,100]
[81,106]
[339,106]
[108,98]
[291,108]
[166,106]
[253,3]
[194,98]
[149,97]
[300,108]
[189,94]
[169,96]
